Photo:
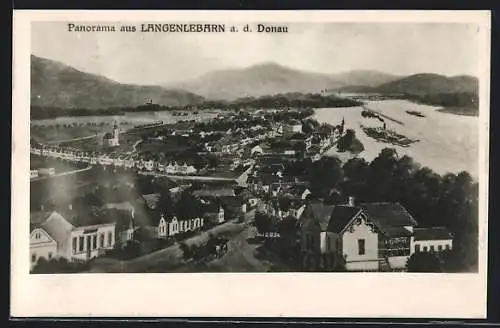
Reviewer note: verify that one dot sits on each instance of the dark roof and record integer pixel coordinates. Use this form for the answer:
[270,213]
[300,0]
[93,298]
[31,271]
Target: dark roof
[298,189]
[388,215]
[340,217]
[321,214]
[121,217]
[268,178]
[214,192]
[152,200]
[438,233]
[82,217]
[234,203]
[210,205]
[268,160]
[37,219]
[108,135]
[396,232]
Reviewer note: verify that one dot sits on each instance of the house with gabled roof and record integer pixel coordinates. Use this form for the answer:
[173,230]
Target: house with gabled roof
[368,237]
[74,236]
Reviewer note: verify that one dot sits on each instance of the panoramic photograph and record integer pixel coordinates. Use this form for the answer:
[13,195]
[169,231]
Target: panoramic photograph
[307,147]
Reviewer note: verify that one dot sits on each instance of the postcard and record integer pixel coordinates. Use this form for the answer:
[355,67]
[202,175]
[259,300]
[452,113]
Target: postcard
[251,164]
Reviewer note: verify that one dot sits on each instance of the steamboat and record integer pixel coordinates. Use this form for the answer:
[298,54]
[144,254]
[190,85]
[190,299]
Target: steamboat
[388,136]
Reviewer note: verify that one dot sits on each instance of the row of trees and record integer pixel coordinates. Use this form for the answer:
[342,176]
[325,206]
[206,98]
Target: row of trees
[453,100]
[58,265]
[286,100]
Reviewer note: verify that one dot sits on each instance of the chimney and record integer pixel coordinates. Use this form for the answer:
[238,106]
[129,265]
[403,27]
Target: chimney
[41,207]
[351,201]
[70,207]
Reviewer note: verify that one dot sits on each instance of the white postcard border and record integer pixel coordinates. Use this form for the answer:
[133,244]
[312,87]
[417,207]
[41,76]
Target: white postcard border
[375,295]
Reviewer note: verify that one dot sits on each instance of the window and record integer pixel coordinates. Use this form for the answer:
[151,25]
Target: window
[37,235]
[94,241]
[33,257]
[440,248]
[432,248]
[110,237]
[101,240]
[361,247]
[417,248]
[50,255]
[75,242]
[81,243]
[447,247]
[89,243]
[425,248]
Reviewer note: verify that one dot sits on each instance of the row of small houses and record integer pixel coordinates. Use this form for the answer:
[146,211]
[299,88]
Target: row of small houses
[236,145]
[78,236]
[129,162]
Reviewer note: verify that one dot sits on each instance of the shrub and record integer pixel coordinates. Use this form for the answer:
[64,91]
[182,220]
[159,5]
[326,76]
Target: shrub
[424,262]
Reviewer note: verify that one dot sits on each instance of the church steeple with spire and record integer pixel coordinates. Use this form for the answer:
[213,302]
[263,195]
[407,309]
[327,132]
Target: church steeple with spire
[116,132]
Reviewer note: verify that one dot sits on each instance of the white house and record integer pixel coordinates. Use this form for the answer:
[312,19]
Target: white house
[369,237]
[171,227]
[53,236]
[33,174]
[92,241]
[435,239]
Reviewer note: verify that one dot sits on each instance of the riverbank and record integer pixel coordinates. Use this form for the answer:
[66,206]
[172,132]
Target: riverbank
[448,143]
[464,111]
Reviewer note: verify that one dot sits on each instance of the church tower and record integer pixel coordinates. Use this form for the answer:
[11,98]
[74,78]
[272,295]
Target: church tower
[116,133]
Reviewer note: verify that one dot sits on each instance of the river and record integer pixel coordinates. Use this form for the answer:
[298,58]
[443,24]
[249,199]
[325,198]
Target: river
[448,142]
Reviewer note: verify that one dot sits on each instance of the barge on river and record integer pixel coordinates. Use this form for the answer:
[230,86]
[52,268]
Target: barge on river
[415,113]
[388,136]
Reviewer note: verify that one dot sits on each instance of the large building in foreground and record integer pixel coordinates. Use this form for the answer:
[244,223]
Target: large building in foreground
[366,237]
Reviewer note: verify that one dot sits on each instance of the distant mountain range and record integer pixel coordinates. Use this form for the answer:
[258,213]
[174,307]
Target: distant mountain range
[271,79]
[54,84]
[421,85]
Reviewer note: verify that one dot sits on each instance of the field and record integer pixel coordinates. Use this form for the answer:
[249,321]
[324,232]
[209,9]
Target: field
[66,128]
[448,142]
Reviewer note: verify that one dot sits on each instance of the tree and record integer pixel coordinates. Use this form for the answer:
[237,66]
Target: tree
[452,261]
[324,175]
[263,223]
[132,249]
[355,183]
[346,140]
[188,206]
[165,203]
[141,235]
[381,177]
[187,251]
[424,262]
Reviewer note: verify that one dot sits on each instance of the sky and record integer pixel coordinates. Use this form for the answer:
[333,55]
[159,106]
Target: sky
[163,58]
